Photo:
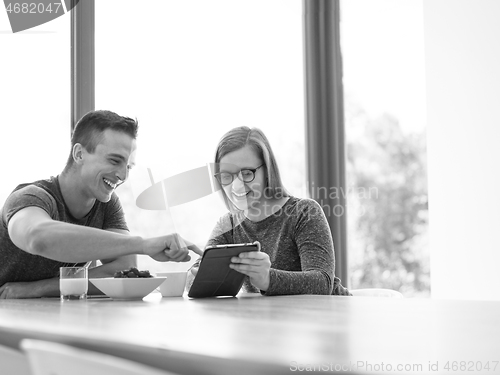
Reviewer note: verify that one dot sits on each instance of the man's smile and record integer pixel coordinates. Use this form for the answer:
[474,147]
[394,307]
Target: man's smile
[110,184]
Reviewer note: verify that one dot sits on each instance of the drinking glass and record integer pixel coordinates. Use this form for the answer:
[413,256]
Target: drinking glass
[73,283]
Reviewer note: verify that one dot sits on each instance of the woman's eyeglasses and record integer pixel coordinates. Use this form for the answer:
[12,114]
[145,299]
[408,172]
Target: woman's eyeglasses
[245,175]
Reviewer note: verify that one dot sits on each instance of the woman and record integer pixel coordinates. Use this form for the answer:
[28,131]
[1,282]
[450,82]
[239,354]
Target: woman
[296,254]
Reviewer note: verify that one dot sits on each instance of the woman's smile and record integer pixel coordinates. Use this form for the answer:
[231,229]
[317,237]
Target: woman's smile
[240,195]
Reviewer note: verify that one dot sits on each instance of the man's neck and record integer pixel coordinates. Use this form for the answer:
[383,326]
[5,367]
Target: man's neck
[77,203]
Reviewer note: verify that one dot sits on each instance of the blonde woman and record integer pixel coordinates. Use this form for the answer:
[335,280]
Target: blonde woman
[296,254]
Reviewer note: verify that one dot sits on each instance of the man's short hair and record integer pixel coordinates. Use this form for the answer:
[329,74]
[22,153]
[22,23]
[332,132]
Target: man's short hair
[88,131]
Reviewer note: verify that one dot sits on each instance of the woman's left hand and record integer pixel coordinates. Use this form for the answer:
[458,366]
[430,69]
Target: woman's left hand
[256,265]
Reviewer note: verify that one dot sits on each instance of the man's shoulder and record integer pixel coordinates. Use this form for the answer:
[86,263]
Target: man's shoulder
[48,185]
[40,193]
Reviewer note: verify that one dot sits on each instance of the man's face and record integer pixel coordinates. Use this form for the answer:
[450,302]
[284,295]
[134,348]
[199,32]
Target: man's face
[108,167]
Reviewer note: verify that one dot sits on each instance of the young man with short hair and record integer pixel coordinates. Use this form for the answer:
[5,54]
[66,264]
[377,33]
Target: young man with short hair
[76,216]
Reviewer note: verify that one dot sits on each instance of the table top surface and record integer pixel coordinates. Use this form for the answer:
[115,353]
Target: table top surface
[283,330]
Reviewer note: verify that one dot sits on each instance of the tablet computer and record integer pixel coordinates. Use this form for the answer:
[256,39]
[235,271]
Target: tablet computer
[214,277]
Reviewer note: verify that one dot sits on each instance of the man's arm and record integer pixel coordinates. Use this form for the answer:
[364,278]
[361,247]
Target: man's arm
[110,266]
[50,287]
[32,230]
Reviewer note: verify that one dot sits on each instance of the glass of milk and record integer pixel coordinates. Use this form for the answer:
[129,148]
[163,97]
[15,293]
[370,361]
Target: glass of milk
[73,282]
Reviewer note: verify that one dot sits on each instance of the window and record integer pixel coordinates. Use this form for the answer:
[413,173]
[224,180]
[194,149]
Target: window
[384,82]
[191,71]
[35,101]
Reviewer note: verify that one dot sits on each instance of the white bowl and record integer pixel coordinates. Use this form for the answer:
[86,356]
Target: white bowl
[174,285]
[127,288]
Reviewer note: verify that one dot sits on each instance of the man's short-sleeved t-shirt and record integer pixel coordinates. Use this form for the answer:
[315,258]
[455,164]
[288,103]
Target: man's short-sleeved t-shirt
[19,265]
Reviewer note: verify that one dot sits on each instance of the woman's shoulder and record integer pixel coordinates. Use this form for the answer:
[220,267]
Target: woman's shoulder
[299,209]
[303,204]
[306,216]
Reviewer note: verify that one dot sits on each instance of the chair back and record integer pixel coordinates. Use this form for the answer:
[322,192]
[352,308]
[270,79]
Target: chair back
[50,358]
[376,292]
[13,362]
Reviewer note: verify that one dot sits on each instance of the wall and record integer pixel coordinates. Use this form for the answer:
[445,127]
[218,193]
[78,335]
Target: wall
[463,87]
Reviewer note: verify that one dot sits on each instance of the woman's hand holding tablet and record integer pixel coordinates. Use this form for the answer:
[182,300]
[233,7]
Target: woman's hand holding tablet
[254,264]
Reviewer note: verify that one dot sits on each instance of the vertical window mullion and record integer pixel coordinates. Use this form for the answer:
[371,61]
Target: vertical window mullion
[325,143]
[82,59]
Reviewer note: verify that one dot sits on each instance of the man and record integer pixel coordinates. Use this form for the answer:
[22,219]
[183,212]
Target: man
[76,217]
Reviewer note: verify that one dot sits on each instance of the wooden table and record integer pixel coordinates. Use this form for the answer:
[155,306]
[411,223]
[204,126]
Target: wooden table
[271,335]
